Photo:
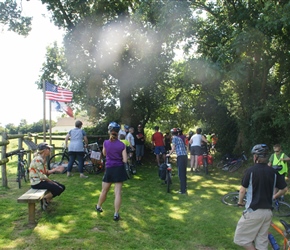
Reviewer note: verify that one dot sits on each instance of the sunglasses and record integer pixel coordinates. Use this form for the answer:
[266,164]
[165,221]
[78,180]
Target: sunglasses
[276,151]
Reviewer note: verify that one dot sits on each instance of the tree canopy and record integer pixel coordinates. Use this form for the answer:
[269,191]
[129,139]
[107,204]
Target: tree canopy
[11,17]
[119,60]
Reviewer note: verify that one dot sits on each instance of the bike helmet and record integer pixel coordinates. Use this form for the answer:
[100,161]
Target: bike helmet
[260,149]
[113,126]
[174,131]
[126,127]
[190,133]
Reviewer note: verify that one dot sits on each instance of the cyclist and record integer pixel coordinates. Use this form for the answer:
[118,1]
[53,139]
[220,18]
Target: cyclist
[180,148]
[38,175]
[158,145]
[124,132]
[181,135]
[139,142]
[279,158]
[130,138]
[167,141]
[77,138]
[195,149]
[116,156]
[259,181]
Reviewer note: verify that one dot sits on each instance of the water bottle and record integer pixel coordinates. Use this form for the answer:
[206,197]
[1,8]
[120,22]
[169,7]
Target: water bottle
[273,242]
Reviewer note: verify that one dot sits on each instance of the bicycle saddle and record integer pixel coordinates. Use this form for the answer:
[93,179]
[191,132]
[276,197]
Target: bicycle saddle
[286,226]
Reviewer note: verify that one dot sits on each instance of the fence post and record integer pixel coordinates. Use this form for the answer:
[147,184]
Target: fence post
[3,167]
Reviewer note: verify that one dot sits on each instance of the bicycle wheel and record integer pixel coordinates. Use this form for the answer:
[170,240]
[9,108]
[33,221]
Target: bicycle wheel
[220,164]
[281,209]
[235,166]
[58,160]
[168,180]
[89,166]
[205,165]
[19,174]
[24,170]
[128,171]
[132,166]
[231,199]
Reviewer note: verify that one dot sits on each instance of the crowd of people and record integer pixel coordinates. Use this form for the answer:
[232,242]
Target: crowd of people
[261,183]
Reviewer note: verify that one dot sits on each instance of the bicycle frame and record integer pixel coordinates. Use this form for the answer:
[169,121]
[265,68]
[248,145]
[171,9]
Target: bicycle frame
[22,172]
[285,234]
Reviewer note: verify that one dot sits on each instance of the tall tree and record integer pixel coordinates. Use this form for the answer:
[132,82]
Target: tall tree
[11,17]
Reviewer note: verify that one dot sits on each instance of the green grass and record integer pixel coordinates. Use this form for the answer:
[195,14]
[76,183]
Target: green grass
[150,217]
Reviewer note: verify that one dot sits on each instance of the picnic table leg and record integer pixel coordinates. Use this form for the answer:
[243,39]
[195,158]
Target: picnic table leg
[31,213]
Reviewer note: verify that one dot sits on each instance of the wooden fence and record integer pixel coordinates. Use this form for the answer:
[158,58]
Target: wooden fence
[31,141]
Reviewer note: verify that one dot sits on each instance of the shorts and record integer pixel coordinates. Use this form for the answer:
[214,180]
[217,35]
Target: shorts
[139,150]
[253,227]
[159,150]
[115,174]
[195,150]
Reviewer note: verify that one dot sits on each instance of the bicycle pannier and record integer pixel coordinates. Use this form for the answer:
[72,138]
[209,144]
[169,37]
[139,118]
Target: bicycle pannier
[162,171]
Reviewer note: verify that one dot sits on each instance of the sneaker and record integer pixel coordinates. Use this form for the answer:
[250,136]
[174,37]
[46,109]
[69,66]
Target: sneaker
[43,204]
[179,192]
[83,176]
[99,209]
[116,217]
[69,174]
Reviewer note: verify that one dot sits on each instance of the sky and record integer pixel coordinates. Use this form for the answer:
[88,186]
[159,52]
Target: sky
[21,59]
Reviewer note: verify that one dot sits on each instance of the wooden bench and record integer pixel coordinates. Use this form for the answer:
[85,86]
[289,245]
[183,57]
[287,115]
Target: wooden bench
[31,197]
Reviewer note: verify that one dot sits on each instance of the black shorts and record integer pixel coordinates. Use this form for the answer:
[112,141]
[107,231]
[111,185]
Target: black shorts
[195,150]
[115,174]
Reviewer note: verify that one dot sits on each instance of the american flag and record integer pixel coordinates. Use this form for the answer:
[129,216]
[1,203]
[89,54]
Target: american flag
[54,93]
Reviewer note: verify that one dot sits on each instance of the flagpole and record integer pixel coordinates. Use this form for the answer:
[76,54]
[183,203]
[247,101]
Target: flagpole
[44,119]
[50,139]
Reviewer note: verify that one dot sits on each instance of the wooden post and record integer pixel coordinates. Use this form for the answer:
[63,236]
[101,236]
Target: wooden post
[44,118]
[3,167]
[31,213]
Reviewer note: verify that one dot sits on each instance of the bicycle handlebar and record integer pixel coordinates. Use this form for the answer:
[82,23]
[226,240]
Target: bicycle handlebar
[17,152]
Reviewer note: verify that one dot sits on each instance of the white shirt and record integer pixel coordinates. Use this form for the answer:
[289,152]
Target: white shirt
[196,140]
[130,139]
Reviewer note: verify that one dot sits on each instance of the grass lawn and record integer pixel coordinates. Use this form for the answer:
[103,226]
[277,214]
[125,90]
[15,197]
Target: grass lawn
[150,217]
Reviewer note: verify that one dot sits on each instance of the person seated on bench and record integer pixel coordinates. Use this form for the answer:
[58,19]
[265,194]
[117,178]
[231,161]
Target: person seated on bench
[38,174]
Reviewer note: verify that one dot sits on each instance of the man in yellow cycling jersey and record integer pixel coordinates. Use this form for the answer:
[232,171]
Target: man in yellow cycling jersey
[279,158]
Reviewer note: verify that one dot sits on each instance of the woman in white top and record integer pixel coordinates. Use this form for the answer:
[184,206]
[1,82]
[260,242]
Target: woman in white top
[195,149]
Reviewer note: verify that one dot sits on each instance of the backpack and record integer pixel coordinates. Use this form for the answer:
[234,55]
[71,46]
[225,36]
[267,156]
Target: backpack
[162,171]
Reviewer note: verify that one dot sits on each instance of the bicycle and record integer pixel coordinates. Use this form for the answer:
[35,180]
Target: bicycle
[130,166]
[232,164]
[22,167]
[285,234]
[280,208]
[168,179]
[165,173]
[204,160]
[91,165]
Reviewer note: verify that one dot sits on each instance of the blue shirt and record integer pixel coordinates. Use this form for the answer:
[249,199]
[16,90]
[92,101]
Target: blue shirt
[76,140]
[179,146]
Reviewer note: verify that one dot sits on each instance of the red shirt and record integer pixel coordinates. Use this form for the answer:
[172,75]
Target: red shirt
[157,138]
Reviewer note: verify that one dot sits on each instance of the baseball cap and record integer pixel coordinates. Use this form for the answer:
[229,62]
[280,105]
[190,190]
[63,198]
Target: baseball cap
[42,146]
